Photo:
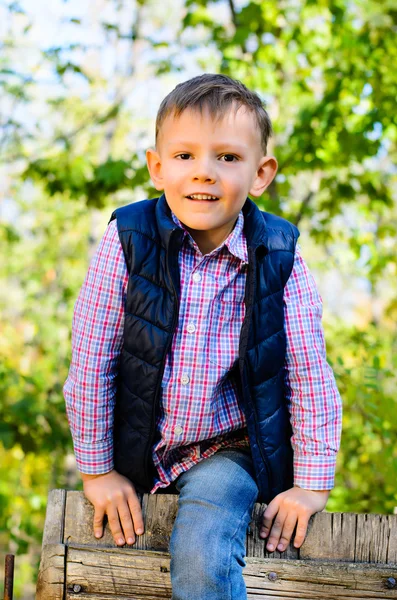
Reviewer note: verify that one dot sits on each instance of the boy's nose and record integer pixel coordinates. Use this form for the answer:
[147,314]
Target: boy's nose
[204,172]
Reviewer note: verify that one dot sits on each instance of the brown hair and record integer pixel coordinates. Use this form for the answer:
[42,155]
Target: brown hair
[217,93]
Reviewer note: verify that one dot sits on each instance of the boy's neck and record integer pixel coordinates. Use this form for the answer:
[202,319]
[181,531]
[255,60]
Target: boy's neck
[207,241]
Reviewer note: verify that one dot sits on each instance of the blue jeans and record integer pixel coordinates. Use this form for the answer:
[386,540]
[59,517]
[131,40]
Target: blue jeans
[207,543]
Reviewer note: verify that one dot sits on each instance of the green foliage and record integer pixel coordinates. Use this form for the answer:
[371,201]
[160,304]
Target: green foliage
[81,179]
[365,366]
[46,262]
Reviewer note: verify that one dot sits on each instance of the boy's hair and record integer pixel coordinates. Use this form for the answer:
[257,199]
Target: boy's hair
[218,93]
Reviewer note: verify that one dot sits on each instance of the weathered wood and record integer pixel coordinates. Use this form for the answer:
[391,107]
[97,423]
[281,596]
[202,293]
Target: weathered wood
[373,539]
[352,537]
[159,512]
[79,518]
[55,517]
[392,546]
[100,573]
[51,578]
[331,536]
[119,573]
[317,580]
[344,556]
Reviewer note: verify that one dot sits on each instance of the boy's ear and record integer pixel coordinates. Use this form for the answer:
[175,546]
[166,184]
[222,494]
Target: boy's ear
[154,166]
[266,172]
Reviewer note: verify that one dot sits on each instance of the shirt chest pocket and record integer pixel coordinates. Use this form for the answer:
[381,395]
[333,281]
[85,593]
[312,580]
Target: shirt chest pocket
[226,319]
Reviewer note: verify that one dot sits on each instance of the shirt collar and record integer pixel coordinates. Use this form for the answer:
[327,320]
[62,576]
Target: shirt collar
[236,242]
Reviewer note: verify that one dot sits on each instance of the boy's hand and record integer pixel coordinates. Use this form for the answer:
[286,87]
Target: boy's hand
[295,505]
[114,495]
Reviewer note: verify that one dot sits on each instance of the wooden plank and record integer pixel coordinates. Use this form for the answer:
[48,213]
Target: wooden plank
[392,541]
[373,538]
[51,577]
[54,518]
[124,574]
[79,517]
[317,580]
[331,536]
[159,512]
[118,573]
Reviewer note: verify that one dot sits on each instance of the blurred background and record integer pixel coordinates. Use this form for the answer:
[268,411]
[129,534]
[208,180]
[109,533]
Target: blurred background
[80,85]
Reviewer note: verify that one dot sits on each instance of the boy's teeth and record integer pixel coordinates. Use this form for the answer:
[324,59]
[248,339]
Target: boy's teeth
[202,197]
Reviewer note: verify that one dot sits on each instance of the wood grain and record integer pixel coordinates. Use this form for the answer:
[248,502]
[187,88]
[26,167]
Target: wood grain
[331,536]
[137,574]
[51,578]
[55,517]
[159,512]
[344,556]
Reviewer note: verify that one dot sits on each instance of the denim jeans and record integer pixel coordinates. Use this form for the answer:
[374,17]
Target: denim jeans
[207,543]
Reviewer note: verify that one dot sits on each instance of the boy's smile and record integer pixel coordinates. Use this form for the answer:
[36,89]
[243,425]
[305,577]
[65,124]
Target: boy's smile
[207,168]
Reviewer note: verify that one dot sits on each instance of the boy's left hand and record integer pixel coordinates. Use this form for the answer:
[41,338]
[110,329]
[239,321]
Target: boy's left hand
[293,506]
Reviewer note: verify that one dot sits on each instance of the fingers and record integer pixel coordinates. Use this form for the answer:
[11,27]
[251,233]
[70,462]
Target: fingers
[115,526]
[126,524]
[301,531]
[268,516]
[114,495]
[125,518]
[98,521]
[283,514]
[281,540]
[276,530]
[136,512]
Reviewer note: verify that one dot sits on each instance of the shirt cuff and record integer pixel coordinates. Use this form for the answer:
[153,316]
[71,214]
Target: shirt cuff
[314,472]
[94,458]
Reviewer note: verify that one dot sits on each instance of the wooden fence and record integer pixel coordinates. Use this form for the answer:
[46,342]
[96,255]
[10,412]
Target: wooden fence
[344,556]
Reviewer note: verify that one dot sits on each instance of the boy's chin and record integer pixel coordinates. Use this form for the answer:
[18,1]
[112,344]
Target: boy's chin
[201,224]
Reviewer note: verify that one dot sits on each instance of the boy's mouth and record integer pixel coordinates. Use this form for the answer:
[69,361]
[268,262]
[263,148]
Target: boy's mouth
[202,197]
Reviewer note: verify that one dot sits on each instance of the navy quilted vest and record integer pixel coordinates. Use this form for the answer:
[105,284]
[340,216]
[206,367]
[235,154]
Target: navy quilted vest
[151,242]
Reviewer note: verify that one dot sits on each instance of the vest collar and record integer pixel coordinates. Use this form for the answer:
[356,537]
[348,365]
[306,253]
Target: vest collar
[254,224]
[235,241]
[166,226]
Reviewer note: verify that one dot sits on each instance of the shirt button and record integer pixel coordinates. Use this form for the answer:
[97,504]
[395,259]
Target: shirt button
[196,277]
[191,328]
[185,379]
[178,430]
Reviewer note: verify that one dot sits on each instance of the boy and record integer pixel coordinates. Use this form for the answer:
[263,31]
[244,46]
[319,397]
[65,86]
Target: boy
[198,355]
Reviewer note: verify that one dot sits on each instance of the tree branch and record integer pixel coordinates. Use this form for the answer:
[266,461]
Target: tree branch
[233,11]
[305,203]
[235,22]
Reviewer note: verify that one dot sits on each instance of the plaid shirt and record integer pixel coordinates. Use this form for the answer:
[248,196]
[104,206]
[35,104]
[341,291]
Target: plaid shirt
[199,412]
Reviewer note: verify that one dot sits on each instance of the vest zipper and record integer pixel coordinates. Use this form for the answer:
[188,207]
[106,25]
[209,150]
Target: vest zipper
[251,281]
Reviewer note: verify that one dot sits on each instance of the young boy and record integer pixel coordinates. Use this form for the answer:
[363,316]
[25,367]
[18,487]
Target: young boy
[199,362]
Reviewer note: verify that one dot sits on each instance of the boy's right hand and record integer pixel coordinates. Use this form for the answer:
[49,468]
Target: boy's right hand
[114,495]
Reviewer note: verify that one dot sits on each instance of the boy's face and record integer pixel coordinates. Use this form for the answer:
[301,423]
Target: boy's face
[197,155]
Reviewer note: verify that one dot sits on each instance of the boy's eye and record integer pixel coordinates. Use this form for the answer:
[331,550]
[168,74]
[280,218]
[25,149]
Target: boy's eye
[227,157]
